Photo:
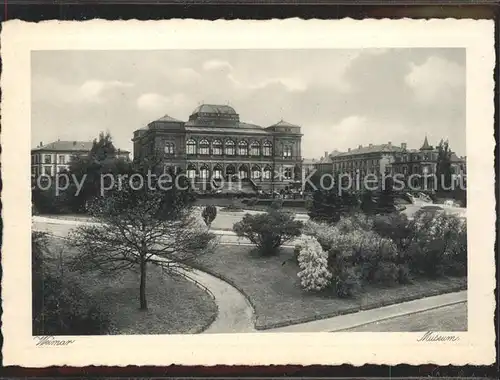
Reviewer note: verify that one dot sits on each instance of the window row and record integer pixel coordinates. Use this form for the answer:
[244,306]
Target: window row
[243,172]
[229,148]
[47,159]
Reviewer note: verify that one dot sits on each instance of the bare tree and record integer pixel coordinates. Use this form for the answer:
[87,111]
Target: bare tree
[140,227]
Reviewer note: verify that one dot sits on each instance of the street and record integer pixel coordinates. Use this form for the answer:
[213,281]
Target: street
[448,318]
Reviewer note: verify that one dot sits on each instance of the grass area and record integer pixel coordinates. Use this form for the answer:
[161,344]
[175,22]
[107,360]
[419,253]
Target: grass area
[175,305]
[272,286]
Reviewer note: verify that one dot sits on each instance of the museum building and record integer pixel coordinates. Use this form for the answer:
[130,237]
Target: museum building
[215,144]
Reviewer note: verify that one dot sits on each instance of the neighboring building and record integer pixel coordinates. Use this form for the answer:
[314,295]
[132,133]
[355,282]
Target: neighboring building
[55,157]
[424,161]
[215,144]
[371,159]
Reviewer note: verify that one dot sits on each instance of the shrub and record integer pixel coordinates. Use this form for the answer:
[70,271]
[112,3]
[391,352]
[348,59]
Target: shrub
[268,230]
[439,246]
[276,204]
[398,228]
[386,273]
[209,213]
[252,201]
[60,306]
[346,282]
[313,262]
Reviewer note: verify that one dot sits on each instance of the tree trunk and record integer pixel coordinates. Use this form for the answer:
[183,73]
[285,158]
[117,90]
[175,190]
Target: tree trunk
[142,290]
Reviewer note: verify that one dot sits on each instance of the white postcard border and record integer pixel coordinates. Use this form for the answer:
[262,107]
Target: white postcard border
[476,346]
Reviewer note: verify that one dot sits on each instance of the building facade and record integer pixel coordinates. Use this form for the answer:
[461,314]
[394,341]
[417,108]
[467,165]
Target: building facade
[389,159]
[215,144]
[364,160]
[424,162]
[55,157]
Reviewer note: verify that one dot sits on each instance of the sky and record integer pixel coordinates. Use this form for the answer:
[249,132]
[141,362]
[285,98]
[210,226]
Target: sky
[340,98]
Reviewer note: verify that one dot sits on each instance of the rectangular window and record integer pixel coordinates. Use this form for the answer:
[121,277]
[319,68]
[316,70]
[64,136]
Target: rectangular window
[62,159]
[287,151]
[48,159]
[47,170]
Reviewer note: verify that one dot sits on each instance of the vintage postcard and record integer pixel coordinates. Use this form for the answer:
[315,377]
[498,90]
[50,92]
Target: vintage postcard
[248,192]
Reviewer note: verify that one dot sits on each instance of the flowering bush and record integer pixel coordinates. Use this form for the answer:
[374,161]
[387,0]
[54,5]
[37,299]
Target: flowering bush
[313,262]
[440,245]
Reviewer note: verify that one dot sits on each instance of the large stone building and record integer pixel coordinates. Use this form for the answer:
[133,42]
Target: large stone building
[215,144]
[52,158]
[423,162]
[389,159]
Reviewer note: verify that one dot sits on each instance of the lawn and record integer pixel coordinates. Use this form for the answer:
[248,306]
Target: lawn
[175,305]
[272,286]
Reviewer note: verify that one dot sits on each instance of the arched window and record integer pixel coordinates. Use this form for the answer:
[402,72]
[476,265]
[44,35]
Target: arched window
[204,147]
[267,148]
[229,147]
[169,148]
[204,172]
[243,148]
[287,151]
[243,171]
[255,172]
[217,173]
[267,172]
[230,169]
[255,148]
[191,146]
[217,147]
[191,171]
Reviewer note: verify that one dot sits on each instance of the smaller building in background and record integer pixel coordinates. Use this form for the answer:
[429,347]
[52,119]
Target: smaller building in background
[55,157]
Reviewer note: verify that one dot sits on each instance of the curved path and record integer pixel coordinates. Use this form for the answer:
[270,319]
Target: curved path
[235,314]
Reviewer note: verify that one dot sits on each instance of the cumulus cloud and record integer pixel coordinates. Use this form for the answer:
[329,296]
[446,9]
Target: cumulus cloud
[183,75]
[216,65]
[96,90]
[291,83]
[157,102]
[90,91]
[433,80]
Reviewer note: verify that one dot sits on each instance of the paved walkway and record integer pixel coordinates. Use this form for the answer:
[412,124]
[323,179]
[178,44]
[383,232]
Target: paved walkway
[236,315]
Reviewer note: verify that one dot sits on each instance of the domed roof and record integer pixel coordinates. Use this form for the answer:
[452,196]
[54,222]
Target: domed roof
[215,108]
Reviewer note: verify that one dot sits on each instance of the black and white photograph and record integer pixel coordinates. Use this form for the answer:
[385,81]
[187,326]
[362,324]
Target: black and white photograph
[201,191]
[248,190]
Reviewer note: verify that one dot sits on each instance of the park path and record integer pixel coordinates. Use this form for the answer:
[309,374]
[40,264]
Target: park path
[235,314]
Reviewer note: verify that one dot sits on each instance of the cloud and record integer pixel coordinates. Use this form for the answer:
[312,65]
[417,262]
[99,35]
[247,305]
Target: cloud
[96,90]
[184,75]
[291,84]
[90,91]
[156,102]
[215,64]
[433,80]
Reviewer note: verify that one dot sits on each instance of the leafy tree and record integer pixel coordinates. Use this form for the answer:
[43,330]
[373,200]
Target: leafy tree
[59,305]
[330,205]
[268,231]
[151,225]
[209,213]
[443,169]
[367,202]
[102,159]
[385,203]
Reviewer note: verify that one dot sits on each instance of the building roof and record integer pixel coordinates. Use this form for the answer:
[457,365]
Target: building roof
[425,145]
[215,108]
[380,148]
[168,119]
[283,123]
[236,130]
[455,158]
[67,146]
